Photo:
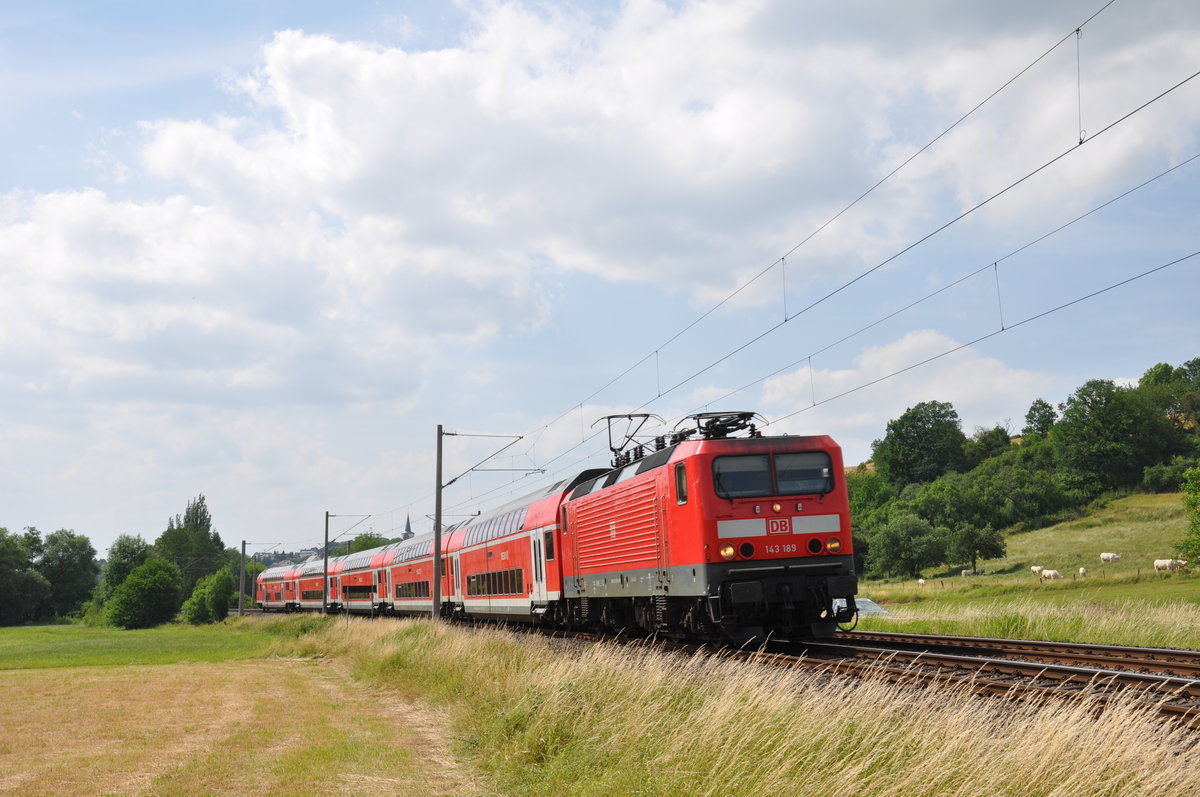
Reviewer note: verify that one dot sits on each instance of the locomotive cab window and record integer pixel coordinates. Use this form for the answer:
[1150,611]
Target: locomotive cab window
[804,472]
[761,475]
[745,476]
[680,483]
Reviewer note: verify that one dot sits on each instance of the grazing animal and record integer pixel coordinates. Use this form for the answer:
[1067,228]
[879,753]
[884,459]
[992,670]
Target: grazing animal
[1051,574]
[920,582]
[1037,570]
[1110,557]
[1083,571]
[1169,564]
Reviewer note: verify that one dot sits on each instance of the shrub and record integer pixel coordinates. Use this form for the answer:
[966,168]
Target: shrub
[151,595]
[1168,476]
[210,599]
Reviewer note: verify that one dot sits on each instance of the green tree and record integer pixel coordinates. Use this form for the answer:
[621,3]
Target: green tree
[22,588]
[1176,391]
[367,541]
[125,554]
[1040,418]
[922,444]
[985,444]
[191,544]
[151,595]
[1189,546]
[867,489]
[905,545]
[68,562]
[32,542]
[968,543]
[1108,435]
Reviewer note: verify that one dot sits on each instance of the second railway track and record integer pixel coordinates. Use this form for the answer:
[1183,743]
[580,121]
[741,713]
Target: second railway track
[1166,661]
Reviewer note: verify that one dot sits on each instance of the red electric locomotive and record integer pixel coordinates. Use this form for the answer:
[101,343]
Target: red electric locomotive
[710,535]
[720,536]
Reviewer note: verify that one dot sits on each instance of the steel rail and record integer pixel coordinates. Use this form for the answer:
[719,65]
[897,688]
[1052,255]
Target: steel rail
[1168,661]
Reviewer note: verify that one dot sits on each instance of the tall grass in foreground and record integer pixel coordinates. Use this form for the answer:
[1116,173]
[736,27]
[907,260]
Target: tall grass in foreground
[1174,624]
[630,720]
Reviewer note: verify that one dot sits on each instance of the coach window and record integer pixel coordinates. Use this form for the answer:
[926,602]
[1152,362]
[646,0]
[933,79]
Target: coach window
[549,546]
[680,483]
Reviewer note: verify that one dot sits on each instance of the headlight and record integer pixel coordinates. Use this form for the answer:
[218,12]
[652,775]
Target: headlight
[726,551]
[777,508]
[833,545]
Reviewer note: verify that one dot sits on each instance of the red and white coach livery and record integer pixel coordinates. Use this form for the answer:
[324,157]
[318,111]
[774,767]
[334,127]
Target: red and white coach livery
[710,535]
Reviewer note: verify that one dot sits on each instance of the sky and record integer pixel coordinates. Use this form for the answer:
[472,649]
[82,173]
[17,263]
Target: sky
[260,250]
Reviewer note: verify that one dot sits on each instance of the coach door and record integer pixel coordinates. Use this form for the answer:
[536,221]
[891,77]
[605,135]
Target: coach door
[538,558]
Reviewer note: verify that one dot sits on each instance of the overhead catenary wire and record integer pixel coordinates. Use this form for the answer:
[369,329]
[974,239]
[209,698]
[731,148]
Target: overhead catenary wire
[992,265]
[661,393]
[1074,148]
[820,228]
[961,279]
[952,350]
[655,353]
[994,333]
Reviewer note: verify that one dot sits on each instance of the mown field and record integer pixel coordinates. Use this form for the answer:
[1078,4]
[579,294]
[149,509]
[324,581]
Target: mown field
[213,710]
[320,706]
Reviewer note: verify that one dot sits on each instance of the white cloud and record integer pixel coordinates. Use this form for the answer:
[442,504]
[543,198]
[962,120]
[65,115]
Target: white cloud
[362,227]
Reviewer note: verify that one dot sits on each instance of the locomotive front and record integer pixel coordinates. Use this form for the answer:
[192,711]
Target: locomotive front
[775,528]
[713,535]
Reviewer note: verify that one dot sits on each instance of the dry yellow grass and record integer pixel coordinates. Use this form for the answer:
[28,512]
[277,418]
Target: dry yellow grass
[621,720]
[269,726]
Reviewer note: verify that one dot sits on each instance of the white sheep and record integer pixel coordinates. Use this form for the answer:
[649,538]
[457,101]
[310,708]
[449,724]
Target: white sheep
[920,582]
[1051,574]
[1037,570]
[1110,557]
[1083,571]
[1169,564]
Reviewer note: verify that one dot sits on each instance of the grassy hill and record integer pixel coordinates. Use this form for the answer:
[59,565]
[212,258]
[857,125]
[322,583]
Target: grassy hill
[1120,603]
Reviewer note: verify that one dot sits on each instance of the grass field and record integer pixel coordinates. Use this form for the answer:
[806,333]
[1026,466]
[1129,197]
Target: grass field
[1125,602]
[182,710]
[85,646]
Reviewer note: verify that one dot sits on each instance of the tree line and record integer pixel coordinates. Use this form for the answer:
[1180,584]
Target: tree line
[187,568]
[186,572]
[931,495]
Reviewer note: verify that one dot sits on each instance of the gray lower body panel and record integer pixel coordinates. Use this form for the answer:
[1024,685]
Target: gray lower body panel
[705,580]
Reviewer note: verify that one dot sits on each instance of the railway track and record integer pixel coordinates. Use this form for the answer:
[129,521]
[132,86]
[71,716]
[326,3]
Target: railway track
[1013,669]
[1166,661]
[1162,677]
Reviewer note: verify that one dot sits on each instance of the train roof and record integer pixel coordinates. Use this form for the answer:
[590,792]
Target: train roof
[419,545]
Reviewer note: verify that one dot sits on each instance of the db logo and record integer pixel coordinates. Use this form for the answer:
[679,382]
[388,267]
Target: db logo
[779,525]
